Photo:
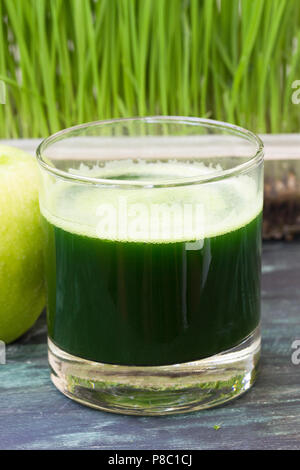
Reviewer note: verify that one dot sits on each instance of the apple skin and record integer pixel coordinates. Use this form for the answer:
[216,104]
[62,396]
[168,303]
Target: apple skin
[22,291]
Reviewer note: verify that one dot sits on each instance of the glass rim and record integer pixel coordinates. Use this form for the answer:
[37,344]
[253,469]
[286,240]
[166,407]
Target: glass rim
[217,175]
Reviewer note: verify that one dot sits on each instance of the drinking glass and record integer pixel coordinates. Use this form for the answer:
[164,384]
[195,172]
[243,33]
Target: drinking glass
[152,231]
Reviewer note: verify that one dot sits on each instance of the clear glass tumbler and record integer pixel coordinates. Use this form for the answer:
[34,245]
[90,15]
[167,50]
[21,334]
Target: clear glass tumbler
[152,258]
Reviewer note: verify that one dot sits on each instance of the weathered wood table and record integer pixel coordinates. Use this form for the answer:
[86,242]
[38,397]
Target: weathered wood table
[34,415]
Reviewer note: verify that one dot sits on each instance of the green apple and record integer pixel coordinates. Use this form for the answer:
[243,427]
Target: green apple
[22,293]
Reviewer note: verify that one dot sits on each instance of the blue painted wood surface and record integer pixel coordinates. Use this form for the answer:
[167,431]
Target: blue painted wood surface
[34,415]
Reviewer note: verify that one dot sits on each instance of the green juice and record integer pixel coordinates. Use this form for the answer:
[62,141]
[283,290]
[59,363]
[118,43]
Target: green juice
[152,303]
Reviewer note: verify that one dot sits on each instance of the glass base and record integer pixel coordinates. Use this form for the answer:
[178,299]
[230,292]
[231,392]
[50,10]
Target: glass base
[158,390]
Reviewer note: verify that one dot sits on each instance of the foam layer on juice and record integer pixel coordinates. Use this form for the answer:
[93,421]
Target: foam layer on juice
[152,214]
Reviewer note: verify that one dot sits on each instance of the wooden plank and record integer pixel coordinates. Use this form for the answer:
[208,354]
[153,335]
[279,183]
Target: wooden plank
[277,146]
[34,415]
[281,146]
